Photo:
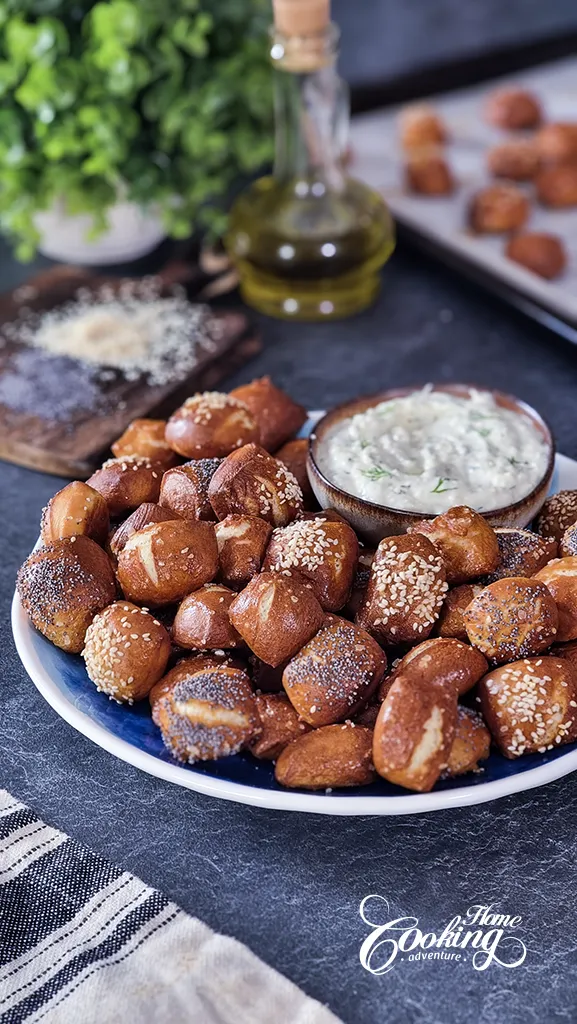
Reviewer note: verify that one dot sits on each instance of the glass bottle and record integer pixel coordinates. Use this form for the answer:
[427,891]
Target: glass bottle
[308,240]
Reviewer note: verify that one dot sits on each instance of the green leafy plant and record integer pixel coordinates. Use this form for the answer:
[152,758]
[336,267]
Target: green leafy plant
[163,102]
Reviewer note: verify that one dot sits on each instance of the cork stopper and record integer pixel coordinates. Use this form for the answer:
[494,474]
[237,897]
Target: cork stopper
[301,17]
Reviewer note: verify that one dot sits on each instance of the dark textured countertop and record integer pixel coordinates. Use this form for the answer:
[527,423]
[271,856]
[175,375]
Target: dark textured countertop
[289,885]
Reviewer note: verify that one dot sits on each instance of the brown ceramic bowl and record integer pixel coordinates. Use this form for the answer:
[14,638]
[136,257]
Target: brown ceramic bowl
[373,522]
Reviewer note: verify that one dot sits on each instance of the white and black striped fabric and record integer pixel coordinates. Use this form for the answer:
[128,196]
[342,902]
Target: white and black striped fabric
[82,942]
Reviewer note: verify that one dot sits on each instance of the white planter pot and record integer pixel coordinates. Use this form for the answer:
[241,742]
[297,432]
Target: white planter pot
[133,233]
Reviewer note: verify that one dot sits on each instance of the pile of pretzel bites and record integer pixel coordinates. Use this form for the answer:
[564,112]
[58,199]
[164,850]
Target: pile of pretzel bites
[195,570]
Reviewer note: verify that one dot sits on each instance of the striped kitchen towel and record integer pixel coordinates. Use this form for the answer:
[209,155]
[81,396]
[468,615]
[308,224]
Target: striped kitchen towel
[84,943]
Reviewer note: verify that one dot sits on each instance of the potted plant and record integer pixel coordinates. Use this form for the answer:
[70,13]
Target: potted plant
[126,120]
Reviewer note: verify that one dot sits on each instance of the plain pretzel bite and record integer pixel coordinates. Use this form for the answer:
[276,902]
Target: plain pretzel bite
[334,674]
[512,618]
[420,125]
[210,425]
[450,623]
[441,660]
[543,254]
[467,543]
[414,733]
[515,159]
[202,622]
[557,142]
[126,651]
[280,725]
[472,744]
[530,705]
[77,510]
[324,551]
[560,578]
[428,173]
[294,455]
[513,109]
[276,615]
[277,415]
[250,482]
[405,591]
[557,514]
[184,489]
[166,561]
[522,553]
[142,516]
[127,483]
[333,757]
[205,710]
[145,438]
[498,208]
[62,586]
[557,186]
[242,542]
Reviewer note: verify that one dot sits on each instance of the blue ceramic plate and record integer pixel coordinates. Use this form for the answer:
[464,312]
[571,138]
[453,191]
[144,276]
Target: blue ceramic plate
[129,733]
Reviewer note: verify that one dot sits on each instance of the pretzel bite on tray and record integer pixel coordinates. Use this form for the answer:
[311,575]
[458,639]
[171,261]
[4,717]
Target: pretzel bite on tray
[515,159]
[557,514]
[205,709]
[513,109]
[276,615]
[250,482]
[428,173]
[202,621]
[144,515]
[467,543]
[184,489]
[280,725]
[530,705]
[543,254]
[406,590]
[145,438]
[323,551]
[127,483]
[557,142]
[420,125]
[498,208]
[210,425]
[560,578]
[166,561]
[331,757]
[126,651]
[512,618]
[334,674]
[472,744]
[277,415]
[242,542]
[450,622]
[557,186]
[62,586]
[522,553]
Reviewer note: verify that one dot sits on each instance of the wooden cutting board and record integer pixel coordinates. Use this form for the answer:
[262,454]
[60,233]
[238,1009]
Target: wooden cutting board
[55,418]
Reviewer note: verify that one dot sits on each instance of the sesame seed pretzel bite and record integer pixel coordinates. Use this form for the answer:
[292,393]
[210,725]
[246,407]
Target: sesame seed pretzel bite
[405,591]
[522,552]
[512,618]
[323,551]
[126,651]
[558,513]
[77,510]
[530,705]
[294,455]
[560,578]
[210,425]
[467,543]
[127,483]
[250,482]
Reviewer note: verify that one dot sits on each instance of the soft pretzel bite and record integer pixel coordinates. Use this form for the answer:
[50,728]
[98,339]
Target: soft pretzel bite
[166,561]
[250,482]
[205,710]
[77,510]
[530,705]
[557,514]
[242,542]
[498,208]
[556,186]
[126,651]
[62,586]
[439,660]
[127,483]
[428,173]
[414,733]
[512,618]
[293,455]
[522,553]
[184,489]
[280,725]
[568,545]
[513,109]
[472,744]
[560,578]
[450,622]
[276,615]
[543,254]
[557,142]
[145,438]
[323,551]
[332,757]
[515,159]
[467,543]
[334,674]
[210,425]
[405,591]
[420,125]
[202,622]
[142,516]
[277,415]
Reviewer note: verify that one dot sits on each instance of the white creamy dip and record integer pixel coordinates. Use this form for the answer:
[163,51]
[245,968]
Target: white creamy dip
[432,450]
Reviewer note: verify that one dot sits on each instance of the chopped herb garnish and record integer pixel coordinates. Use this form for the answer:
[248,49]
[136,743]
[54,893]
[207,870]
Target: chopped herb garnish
[364,444]
[439,489]
[516,462]
[484,432]
[375,473]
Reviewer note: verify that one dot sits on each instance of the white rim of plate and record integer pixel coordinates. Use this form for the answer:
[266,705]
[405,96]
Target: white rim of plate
[315,803]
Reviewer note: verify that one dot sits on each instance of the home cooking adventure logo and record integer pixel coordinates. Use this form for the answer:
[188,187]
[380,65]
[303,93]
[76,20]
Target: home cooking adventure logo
[481,938]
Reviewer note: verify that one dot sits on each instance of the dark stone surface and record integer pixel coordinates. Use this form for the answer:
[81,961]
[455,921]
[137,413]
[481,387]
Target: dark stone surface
[290,885]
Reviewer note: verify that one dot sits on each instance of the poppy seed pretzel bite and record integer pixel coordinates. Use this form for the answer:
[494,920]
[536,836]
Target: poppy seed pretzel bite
[512,618]
[467,543]
[522,552]
[210,425]
[166,561]
[324,551]
[530,706]
[334,675]
[405,592]
[184,489]
[125,651]
[458,665]
[250,482]
[334,755]
[276,615]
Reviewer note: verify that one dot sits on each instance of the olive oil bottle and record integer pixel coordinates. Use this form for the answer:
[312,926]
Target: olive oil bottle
[309,241]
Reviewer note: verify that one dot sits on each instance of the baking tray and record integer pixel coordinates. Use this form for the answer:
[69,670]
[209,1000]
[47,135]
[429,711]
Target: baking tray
[439,224]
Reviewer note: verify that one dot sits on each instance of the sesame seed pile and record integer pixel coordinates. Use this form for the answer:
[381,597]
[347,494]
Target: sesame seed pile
[406,583]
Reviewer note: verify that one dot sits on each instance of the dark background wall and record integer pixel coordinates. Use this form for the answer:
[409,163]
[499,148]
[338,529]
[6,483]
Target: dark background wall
[382,39]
